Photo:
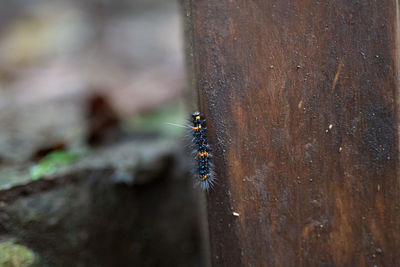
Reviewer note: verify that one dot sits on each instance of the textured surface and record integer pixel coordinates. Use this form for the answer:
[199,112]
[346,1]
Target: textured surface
[301,104]
[120,206]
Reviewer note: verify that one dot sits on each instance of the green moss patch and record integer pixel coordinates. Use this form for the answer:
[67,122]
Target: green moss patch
[13,255]
[50,162]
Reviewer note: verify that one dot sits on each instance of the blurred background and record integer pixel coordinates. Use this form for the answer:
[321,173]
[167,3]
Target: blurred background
[90,173]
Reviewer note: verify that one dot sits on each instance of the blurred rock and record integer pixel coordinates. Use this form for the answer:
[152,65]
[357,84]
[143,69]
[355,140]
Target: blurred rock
[25,130]
[104,211]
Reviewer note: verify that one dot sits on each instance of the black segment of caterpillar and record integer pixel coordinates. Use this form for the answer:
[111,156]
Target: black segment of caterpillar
[204,171]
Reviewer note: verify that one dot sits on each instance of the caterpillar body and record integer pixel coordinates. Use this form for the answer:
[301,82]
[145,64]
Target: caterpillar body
[204,175]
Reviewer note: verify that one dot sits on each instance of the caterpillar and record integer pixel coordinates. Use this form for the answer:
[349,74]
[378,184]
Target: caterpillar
[204,175]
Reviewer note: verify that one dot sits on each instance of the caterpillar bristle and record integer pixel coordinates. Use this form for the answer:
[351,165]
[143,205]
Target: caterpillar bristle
[178,125]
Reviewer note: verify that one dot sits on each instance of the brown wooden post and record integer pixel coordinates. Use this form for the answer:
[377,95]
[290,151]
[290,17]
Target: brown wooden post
[302,106]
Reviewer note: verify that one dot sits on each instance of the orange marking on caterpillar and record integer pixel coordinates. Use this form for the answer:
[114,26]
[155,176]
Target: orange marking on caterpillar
[204,177]
[200,154]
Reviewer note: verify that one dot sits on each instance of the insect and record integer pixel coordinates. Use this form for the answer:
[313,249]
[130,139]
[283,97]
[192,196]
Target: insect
[204,175]
[203,170]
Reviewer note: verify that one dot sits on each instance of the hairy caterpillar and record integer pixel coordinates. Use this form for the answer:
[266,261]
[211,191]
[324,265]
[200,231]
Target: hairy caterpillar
[204,175]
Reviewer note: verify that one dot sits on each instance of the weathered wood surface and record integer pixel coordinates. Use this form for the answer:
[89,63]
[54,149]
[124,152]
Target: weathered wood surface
[301,101]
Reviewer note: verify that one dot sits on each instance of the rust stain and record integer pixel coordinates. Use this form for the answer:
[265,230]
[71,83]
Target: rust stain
[308,228]
[340,238]
[338,71]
